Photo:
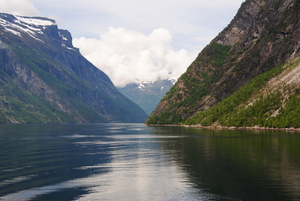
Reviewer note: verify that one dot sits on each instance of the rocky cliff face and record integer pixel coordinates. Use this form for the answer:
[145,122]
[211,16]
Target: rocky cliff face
[44,79]
[263,35]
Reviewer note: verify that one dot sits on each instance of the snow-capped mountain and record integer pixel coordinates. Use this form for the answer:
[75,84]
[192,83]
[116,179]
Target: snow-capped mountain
[148,94]
[28,25]
[44,79]
[35,27]
[147,85]
[39,28]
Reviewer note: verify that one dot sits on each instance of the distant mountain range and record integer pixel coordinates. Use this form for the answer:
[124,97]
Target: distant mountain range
[148,94]
[248,76]
[44,79]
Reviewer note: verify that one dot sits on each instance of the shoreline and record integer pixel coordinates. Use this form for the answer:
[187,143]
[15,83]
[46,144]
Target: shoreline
[227,128]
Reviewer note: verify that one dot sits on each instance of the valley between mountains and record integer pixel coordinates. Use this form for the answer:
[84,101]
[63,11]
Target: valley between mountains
[247,76]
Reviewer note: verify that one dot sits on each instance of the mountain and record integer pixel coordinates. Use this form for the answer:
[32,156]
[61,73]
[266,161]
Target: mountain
[147,94]
[44,79]
[247,76]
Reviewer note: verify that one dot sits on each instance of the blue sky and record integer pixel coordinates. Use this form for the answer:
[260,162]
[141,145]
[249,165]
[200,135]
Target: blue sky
[133,40]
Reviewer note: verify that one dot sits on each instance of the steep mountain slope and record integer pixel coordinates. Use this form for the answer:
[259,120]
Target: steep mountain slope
[44,79]
[263,35]
[147,94]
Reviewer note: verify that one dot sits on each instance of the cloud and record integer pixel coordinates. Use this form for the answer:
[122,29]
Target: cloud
[186,20]
[130,56]
[148,52]
[18,7]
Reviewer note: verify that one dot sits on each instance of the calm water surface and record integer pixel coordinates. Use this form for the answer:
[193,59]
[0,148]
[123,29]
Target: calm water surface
[136,162]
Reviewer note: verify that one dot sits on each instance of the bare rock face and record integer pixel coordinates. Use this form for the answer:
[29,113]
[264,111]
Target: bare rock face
[263,34]
[240,24]
[44,79]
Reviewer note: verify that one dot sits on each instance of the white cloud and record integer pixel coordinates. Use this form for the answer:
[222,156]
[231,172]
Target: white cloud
[124,55]
[184,19]
[18,7]
[128,56]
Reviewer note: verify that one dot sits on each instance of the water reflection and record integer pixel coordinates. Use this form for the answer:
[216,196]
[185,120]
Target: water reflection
[135,162]
[246,165]
[89,162]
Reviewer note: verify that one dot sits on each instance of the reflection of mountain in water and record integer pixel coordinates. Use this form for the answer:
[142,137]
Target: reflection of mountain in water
[240,164]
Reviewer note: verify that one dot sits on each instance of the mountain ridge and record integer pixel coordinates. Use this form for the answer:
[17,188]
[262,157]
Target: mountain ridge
[44,79]
[263,35]
[147,94]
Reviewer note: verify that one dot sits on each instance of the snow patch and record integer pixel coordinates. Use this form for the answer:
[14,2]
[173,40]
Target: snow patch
[141,86]
[13,31]
[31,26]
[173,80]
[36,21]
[69,48]
[62,36]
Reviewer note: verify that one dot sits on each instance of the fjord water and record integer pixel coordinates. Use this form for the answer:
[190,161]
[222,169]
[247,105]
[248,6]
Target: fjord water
[136,162]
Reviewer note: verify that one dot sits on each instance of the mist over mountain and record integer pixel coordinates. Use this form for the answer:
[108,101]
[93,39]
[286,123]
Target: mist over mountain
[44,78]
[247,76]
